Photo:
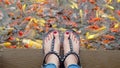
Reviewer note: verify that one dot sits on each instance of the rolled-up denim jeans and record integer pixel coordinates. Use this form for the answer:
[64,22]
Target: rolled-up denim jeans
[51,65]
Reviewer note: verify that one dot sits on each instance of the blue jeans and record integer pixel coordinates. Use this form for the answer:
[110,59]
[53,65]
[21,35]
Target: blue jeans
[51,65]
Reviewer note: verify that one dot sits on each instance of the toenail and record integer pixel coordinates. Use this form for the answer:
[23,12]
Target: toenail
[67,32]
[55,32]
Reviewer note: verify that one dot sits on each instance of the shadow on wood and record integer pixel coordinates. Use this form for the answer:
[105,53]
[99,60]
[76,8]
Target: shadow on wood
[32,58]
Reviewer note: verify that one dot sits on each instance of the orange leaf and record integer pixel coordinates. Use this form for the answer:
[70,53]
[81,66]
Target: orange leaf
[92,1]
[28,18]
[40,11]
[94,27]
[19,5]
[114,30]
[96,8]
[0,0]
[74,24]
[109,36]
[35,25]
[11,38]
[7,2]
[106,41]
[95,19]
[84,0]
[118,12]
[46,2]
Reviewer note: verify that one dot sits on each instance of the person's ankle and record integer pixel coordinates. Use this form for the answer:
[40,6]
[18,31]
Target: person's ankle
[53,59]
[70,61]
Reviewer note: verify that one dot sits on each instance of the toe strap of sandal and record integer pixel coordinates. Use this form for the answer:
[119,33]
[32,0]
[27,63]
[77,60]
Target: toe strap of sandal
[52,52]
[69,53]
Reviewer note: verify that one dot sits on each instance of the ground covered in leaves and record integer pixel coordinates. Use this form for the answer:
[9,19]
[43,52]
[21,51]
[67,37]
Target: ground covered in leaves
[24,22]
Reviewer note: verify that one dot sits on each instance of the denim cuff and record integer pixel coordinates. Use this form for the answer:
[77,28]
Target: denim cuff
[50,65]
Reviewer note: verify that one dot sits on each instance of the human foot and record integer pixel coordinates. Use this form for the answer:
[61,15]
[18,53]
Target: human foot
[52,39]
[52,47]
[71,48]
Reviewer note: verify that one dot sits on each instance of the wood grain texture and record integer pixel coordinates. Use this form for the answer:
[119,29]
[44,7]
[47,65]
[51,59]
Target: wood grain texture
[32,58]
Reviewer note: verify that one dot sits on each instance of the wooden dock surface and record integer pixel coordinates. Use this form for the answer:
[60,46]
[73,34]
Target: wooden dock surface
[32,58]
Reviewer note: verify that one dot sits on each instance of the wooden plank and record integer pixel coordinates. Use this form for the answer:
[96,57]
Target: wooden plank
[22,58]
[32,58]
[100,59]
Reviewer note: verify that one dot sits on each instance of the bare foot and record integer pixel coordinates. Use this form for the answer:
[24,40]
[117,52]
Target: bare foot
[71,59]
[47,47]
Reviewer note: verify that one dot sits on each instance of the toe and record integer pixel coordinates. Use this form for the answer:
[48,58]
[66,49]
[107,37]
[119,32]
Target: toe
[56,34]
[66,35]
[72,36]
[56,41]
[47,42]
[51,35]
[66,42]
[46,39]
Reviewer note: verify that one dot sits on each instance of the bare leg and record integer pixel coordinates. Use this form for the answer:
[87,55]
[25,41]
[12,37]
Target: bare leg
[71,59]
[48,41]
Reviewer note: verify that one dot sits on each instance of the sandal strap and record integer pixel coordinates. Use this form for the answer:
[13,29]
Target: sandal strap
[52,45]
[71,48]
[69,53]
[52,48]
[52,52]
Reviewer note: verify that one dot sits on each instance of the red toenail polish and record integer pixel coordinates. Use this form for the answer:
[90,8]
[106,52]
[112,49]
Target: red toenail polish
[67,32]
[55,32]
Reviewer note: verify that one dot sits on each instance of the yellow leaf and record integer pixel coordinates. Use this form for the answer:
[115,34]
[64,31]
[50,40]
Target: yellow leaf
[37,1]
[88,36]
[1,28]
[112,17]
[109,16]
[42,22]
[24,7]
[17,39]
[116,25]
[39,41]
[7,44]
[104,15]
[32,44]
[118,1]
[35,20]
[81,13]
[110,7]
[62,29]
[100,29]
[54,26]
[75,29]
[74,5]
[97,14]
[32,19]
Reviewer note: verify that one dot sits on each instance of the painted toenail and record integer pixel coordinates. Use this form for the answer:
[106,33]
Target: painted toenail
[55,32]
[67,32]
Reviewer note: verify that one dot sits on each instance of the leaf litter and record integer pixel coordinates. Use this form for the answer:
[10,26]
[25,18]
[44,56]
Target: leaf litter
[24,22]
